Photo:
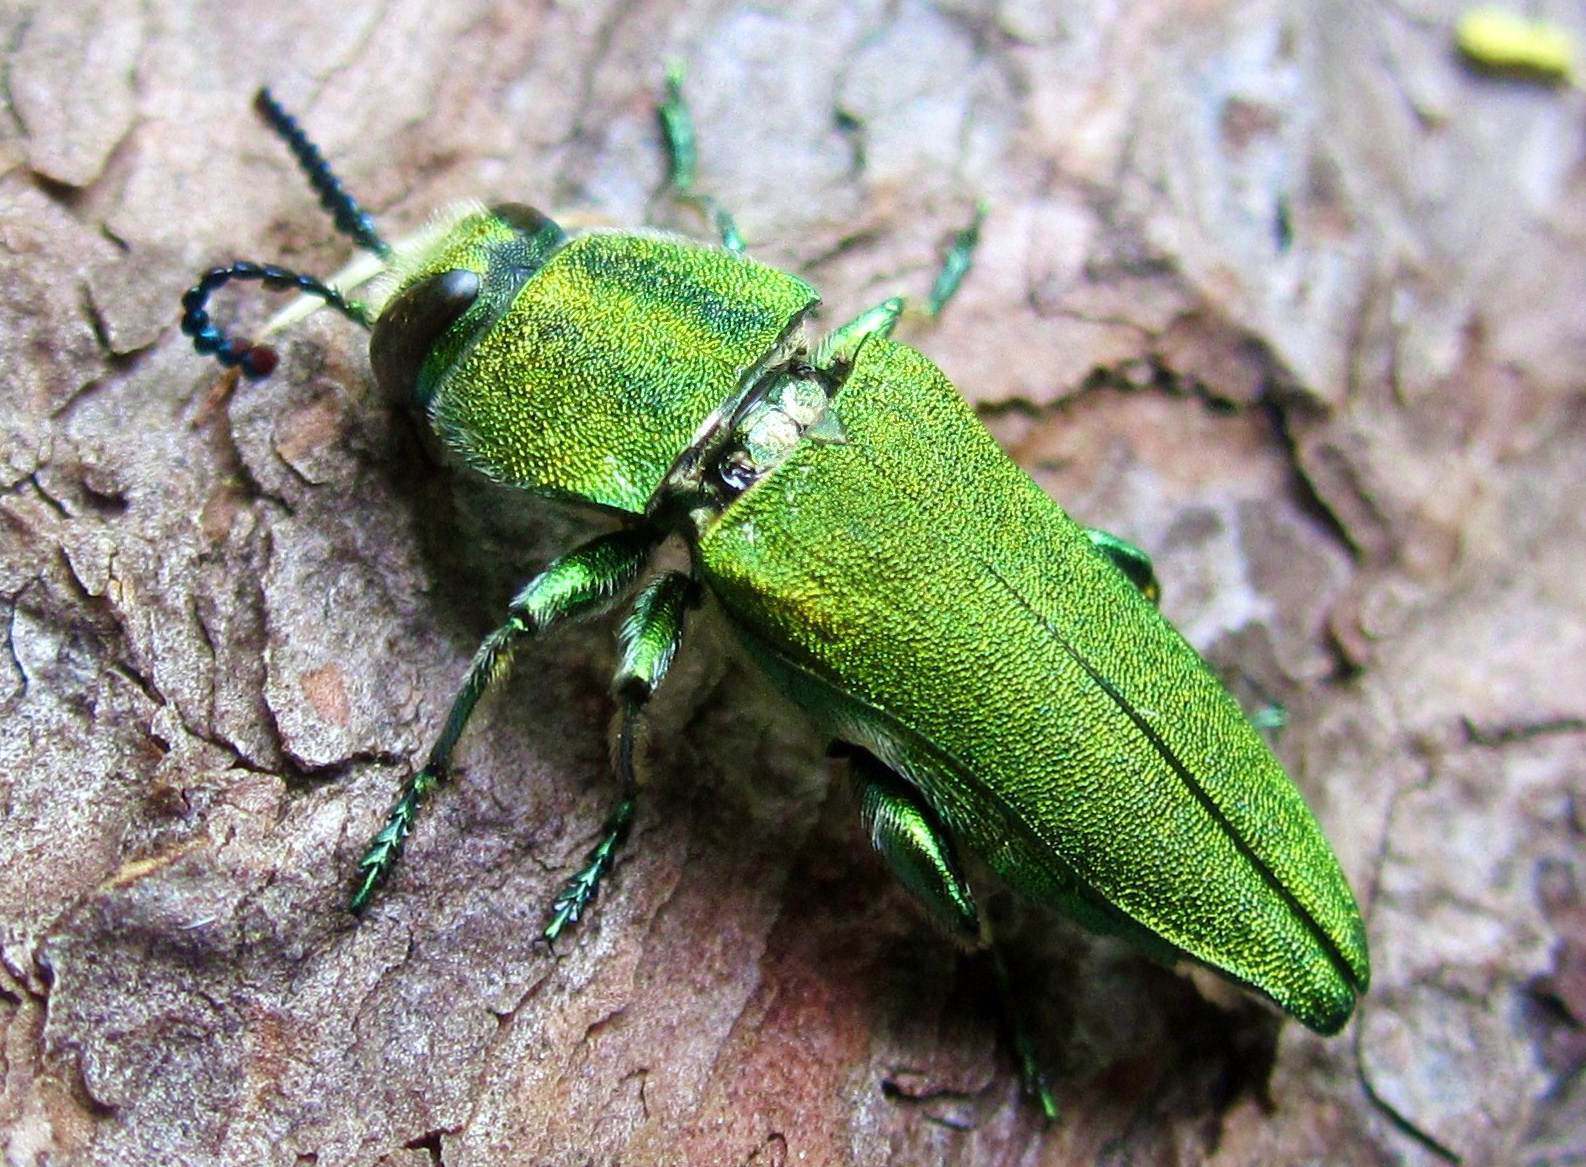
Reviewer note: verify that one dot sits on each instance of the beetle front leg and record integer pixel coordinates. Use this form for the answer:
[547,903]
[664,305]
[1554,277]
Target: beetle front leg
[918,848]
[581,583]
[677,127]
[649,639]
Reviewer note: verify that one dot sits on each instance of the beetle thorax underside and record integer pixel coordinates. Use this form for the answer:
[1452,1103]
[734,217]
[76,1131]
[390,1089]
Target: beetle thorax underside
[790,404]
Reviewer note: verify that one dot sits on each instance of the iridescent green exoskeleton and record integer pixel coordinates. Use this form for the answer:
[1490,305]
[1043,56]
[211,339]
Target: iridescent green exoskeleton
[999,674]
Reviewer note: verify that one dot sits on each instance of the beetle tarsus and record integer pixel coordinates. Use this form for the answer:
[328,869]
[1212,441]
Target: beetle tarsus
[580,890]
[385,848]
[1032,1076]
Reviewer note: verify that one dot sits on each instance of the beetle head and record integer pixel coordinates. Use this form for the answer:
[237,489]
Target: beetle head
[448,288]
[440,289]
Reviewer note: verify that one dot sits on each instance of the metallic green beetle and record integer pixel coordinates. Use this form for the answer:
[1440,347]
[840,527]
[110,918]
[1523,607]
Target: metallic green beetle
[1000,675]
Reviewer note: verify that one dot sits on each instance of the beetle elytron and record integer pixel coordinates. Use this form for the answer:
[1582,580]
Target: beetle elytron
[1000,675]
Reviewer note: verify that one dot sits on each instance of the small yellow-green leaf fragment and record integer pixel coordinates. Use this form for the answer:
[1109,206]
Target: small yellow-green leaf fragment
[1503,41]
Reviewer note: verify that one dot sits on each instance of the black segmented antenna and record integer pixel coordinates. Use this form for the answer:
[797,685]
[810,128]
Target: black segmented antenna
[255,360]
[351,219]
[259,360]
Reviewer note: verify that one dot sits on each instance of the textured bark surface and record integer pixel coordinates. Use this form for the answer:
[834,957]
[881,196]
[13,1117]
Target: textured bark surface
[1281,291]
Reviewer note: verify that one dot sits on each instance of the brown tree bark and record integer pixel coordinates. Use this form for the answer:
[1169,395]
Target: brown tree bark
[1281,291]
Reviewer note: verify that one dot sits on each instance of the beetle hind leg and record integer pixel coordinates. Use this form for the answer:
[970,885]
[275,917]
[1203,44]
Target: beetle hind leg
[918,850]
[1129,559]
[916,845]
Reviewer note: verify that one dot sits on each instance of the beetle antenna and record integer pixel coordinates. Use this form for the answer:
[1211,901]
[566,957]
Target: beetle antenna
[351,219]
[255,360]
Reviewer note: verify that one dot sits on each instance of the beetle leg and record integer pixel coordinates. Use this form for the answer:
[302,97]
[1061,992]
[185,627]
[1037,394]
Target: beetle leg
[920,852]
[649,639]
[955,264]
[677,127]
[1130,560]
[839,348]
[583,582]
[917,849]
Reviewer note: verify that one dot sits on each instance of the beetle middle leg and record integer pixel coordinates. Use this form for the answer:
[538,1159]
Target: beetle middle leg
[649,639]
[918,848]
[955,264]
[839,348]
[583,582]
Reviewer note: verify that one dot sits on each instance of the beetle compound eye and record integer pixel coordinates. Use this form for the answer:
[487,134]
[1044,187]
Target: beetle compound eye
[410,326]
[527,219]
[537,236]
[539,233]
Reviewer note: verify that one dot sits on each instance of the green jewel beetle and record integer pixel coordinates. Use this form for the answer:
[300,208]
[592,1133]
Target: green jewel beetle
[999,675]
